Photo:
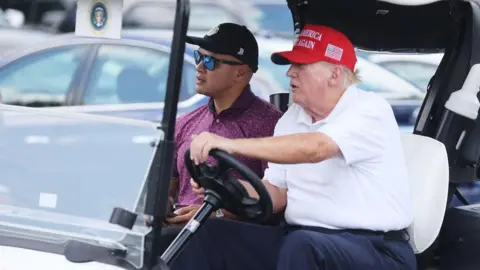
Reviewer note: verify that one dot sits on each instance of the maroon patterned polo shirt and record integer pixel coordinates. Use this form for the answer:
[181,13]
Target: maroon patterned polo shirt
[248,117]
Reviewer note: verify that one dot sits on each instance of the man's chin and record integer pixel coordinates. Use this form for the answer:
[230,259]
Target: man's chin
[298,101]
[295,98]
[202,91]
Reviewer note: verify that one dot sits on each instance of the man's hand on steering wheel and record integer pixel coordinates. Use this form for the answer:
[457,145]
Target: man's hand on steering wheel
[206,141]
[200,191]
[222,189]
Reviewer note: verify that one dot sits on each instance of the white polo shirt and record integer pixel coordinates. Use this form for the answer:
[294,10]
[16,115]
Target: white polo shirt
[365,188]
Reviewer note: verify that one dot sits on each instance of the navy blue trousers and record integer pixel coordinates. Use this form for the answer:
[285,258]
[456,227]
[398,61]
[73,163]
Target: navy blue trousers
[229,245]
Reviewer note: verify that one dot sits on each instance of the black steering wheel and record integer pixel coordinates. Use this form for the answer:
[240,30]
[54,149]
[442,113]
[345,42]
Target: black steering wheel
[225,191]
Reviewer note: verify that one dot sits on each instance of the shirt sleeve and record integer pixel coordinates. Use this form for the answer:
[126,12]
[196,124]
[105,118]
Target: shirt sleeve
[361,136]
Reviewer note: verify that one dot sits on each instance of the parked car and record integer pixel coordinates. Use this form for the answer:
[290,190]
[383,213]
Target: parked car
[416,68]
[12,38]
[159,14]
[263,83]
[204,14]
[125,77]
[69,71]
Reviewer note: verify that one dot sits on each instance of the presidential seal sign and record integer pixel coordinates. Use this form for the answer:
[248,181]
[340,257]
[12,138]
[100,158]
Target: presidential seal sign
[98,15]
[99,18]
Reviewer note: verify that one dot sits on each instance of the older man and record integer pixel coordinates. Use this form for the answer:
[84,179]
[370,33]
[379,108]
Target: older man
[335,163]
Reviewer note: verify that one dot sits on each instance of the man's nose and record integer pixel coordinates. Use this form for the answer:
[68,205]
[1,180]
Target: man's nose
[291,72]
[201,68]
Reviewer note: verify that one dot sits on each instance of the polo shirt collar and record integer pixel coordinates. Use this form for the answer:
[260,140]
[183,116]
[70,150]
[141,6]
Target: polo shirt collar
[345,100]
[241,104]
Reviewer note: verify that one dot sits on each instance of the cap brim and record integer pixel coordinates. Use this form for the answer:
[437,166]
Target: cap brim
[289,57]
[202,43]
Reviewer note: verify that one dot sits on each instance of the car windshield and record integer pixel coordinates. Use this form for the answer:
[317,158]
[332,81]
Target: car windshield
[63,174]
[203,16]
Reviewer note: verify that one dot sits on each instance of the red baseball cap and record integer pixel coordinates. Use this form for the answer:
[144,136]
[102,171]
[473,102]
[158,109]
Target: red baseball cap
[319,43]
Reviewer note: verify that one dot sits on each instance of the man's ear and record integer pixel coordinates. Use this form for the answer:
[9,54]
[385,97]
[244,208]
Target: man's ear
[242,72]
[336,77]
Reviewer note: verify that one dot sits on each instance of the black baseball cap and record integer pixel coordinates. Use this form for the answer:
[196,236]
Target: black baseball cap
[230,39]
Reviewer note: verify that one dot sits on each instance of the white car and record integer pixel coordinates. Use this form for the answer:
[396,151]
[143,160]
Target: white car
[414,67]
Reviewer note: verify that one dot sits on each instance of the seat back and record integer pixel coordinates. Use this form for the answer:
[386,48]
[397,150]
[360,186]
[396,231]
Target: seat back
[427,163]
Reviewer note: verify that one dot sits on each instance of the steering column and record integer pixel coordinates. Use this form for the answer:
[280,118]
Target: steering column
[222,190]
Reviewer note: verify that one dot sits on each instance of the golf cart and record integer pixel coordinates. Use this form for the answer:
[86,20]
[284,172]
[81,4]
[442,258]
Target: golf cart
[442,152]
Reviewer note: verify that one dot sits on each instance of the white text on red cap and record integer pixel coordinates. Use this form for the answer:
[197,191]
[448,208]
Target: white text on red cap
[309,44]
[311,34]
[305,43]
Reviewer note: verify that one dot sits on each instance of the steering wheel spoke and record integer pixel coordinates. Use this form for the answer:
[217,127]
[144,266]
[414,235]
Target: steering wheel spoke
[251,211]
[229,192]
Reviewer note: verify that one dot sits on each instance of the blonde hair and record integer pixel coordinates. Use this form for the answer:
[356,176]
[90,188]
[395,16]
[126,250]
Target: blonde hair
[351,77]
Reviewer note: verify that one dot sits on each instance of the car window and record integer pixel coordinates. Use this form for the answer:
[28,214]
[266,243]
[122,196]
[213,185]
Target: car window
[41,79]
[202,16]
[416,72]
[127,74]
[374,78]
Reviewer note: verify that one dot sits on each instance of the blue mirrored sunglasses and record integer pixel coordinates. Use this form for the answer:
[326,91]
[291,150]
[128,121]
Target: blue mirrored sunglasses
[209,61]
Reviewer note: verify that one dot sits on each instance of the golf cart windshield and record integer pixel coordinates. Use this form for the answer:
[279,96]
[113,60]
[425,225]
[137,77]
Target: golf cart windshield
[63,174]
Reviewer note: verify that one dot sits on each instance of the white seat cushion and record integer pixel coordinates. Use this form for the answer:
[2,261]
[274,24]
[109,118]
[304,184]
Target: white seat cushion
[427,162]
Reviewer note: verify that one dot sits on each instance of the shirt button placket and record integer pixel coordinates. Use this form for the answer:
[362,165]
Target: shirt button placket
[212,125]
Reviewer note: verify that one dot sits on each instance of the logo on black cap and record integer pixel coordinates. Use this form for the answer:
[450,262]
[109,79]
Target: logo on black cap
[213,31]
